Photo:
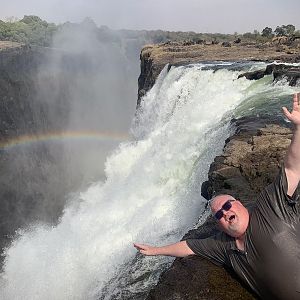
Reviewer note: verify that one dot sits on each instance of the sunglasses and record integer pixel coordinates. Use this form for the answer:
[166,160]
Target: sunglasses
[226,206]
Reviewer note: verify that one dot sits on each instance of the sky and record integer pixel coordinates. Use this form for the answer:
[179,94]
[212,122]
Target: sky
[224,16]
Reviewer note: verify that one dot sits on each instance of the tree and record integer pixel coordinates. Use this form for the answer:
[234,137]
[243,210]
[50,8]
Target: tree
[285,30]
[31,19]
[290,29]
[279,31]
[267,32]
[29,30]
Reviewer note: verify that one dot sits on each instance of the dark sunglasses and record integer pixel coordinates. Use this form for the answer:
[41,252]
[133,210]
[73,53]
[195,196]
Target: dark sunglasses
[226,206]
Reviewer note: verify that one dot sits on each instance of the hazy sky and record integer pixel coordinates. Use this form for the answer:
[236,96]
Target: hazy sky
[225,16]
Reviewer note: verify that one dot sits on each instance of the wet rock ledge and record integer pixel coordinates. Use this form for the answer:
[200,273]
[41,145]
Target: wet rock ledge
[251,159]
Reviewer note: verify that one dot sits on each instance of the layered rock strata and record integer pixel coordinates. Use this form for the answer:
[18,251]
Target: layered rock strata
[251,159]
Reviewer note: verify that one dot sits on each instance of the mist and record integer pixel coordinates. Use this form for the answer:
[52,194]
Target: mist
[92,70]
[85,89]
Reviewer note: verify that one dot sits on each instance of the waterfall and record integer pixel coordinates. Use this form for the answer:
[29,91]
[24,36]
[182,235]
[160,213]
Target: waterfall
[151,194]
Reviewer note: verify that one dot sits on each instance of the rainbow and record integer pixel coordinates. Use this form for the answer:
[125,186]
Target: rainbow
[64,135]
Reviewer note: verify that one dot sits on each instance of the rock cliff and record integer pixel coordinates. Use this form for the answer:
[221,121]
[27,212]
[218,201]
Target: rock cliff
[24,109]
[18,63]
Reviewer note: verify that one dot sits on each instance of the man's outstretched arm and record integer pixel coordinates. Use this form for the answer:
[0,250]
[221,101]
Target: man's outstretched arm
[292,159]
[180,249]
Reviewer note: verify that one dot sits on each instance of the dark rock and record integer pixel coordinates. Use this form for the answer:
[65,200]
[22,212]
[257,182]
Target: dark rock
[279,71]
[197,278]
[188,43]
[255,75]
[292,74]
[226,44]
[200,41]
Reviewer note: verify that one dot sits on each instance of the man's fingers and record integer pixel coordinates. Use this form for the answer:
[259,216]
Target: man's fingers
[296,101]
[138,246]
[286,112]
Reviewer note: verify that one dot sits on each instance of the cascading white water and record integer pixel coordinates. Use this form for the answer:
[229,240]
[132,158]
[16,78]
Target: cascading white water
[151,195]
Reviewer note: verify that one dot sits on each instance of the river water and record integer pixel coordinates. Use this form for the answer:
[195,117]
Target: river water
[151,193]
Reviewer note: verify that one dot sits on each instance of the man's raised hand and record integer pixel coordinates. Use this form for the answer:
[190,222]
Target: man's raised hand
[293,116]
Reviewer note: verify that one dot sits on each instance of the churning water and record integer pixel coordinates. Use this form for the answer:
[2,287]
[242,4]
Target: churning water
[151,194]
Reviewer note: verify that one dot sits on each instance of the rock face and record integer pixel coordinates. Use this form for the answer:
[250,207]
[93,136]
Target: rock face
[155,57]
[250,160]
[17,66]
[24,108]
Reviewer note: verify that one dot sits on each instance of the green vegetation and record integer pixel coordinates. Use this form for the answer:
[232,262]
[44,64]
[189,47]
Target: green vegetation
[283,30]
[267,32]
[33,30]
[29,30]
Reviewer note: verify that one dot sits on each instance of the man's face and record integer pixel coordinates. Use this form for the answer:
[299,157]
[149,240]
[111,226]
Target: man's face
[233,215]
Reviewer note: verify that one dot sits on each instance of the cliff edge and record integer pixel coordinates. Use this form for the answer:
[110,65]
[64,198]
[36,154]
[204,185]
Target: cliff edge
[155,57]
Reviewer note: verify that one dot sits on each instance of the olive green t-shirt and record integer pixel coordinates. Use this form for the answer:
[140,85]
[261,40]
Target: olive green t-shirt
[270,264]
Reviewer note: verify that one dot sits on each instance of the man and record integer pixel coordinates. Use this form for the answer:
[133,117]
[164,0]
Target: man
[261,246]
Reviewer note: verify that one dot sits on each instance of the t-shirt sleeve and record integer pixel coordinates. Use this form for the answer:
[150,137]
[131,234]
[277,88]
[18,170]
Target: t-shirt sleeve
[213,248]
[274,199]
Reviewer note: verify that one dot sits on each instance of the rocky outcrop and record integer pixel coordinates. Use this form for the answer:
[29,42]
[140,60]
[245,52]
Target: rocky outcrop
[250,160]
[150,69]
[291,73]
[155,57]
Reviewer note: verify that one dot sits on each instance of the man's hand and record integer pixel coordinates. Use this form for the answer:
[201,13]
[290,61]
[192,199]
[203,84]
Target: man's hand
[294,116]
[146,249]
[180,249]
[292,159]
